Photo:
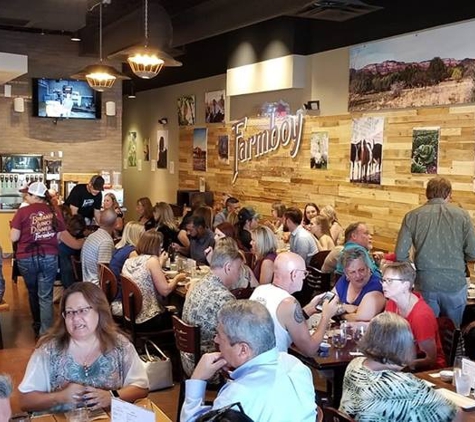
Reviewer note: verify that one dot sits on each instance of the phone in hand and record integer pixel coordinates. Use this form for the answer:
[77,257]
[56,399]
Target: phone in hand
[327,296]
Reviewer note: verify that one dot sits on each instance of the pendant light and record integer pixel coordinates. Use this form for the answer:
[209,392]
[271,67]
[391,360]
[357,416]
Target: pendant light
[100,77]
[145,62]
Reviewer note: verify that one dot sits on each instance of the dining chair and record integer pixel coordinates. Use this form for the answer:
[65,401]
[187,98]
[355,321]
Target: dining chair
[242,293]
[450,337]
[108,282]
[76,267]
[330,414]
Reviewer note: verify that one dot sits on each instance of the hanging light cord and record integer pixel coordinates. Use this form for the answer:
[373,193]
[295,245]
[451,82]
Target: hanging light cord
[100,31]
[146,23]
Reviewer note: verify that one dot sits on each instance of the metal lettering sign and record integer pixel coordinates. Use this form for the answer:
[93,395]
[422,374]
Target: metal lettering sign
[288,133]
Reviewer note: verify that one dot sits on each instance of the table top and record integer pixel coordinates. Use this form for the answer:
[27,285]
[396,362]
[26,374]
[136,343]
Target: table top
[337,358]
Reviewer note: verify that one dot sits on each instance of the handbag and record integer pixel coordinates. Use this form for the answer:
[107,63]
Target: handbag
[226,414]
[158,367]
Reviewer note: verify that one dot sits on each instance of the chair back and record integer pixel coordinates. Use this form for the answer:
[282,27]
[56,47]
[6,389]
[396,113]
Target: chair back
[187,337]
[449,338]
[317,260]
[330,414]
[108,282]
[249,259]
[131,299]
[76,267]
[243,293]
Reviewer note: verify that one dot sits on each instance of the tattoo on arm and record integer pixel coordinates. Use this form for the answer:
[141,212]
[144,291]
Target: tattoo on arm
[298,314]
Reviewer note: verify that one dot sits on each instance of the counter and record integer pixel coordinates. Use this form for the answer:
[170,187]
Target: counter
[5,217]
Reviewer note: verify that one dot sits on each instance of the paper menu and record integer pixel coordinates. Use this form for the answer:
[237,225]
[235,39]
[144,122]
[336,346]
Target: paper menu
[469,368]
[122,411]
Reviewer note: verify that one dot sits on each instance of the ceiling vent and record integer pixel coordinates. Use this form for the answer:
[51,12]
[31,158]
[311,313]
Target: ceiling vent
[336,10]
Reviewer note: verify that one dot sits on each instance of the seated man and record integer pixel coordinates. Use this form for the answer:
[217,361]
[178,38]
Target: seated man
[289,318]
[270,386]
[5,393]
[98,247]
[201,238]
[208,296]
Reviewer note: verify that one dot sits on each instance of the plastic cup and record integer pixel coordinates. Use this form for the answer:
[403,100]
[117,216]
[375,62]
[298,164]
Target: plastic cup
[78,415]
[339,339]
[463,382]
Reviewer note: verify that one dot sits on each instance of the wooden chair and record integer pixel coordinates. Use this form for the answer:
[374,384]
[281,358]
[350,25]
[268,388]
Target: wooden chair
[188,340]
[330,414]
[108,282]
[316,282]
[449,337]
[243,293]
[318,259]
[249,259]
[132,301]
[77,268]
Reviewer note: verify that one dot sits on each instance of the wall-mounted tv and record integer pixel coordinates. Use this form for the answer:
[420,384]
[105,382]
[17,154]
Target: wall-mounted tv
[65,98]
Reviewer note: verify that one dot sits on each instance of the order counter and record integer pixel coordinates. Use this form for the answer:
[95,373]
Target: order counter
[5,217]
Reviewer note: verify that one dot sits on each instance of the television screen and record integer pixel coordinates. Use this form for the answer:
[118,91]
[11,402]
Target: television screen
[65,98]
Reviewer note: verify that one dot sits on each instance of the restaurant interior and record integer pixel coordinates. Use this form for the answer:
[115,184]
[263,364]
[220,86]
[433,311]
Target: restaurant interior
[259,54]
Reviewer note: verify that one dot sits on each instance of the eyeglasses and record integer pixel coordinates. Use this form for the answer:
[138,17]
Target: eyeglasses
[305,272]
[390,281]
[80,312]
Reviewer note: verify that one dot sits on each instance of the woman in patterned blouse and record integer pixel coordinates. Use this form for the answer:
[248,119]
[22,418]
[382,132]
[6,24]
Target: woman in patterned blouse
[83,360]
[375,389]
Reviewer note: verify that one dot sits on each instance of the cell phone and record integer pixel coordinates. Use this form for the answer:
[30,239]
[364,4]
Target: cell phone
[327,296]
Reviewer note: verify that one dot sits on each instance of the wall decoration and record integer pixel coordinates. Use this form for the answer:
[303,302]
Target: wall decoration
[433,67]
[186,110]
[162,149]
[278,109]
[223,148]
[132,149]
[366,150]
[146,149]
[200,147]
[214,106]
[319,150]
[425,150]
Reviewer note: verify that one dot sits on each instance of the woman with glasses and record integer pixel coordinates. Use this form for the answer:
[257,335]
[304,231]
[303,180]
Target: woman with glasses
[376,389]
[359,290]
[398,282]
[83,360]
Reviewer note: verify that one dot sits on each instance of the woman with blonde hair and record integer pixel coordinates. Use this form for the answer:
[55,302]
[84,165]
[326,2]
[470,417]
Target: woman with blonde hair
[336,229]
[320,228]
[264,248]
[166,224]
[110,201]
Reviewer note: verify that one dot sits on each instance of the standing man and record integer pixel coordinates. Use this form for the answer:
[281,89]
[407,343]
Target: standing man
[87,199]
[444,240]
[231,205]
[302,241]
[270,386]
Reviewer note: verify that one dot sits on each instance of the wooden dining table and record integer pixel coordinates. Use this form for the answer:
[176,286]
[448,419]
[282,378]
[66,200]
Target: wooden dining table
[336,361]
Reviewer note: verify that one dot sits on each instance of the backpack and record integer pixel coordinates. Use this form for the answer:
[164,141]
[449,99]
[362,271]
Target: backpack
[225,414]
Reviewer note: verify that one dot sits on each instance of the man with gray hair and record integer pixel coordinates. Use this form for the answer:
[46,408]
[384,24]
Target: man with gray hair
[5,393]
[209,294]
[443,239]
[271,386]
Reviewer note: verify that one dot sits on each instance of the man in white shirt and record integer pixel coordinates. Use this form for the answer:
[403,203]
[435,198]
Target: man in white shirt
[302,241]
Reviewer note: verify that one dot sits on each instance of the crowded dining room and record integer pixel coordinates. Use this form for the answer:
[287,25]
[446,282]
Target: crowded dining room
[215,211]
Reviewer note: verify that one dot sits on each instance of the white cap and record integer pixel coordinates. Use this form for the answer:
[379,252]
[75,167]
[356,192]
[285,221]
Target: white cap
[37,189]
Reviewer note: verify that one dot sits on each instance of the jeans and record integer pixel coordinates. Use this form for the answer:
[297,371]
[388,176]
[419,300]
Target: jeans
[66,268]
[447,304]
[39,273]
[2,279]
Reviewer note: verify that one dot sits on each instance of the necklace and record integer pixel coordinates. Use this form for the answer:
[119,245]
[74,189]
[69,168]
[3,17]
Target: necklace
[86,365]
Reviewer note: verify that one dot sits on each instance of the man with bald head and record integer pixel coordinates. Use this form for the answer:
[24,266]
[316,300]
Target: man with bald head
[98,247]
[289,317]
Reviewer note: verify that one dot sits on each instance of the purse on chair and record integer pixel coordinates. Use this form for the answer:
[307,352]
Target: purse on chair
[158,367]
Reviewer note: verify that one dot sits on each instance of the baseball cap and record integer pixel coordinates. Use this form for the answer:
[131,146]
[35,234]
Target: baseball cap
[97,182]
[247,213]
[24,188]
[37,189]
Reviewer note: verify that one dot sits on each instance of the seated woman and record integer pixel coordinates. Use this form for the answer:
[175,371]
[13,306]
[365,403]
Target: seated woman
[110,201]
[398,282]
[166,224]
[146,271]
[248,220]
[359,291]
[264,247]
[320,228]
[375,389]
[82,359]
[310,210]
[145,213]
[336,229]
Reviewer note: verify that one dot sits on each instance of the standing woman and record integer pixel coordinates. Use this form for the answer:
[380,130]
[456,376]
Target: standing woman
[336,229]
[166,224]
[36,229]
[110,201]
[264,247]
[320,228]
[311,210]
[145,213]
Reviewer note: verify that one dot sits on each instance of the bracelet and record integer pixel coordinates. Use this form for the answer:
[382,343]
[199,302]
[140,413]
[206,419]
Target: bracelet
[305,315]
[114,393]
[340,310]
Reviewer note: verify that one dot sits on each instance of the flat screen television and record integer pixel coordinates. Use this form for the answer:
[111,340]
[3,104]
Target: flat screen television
[65,98]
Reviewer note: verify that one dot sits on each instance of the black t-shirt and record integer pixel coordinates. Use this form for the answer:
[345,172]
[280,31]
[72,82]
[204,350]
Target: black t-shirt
[85,201]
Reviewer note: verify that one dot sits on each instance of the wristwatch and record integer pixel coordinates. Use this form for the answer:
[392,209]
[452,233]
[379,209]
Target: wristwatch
[115,393]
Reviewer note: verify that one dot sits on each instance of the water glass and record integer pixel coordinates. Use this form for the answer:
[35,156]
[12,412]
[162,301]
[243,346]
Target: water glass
[463,382]
[358,333]
[339,338]
[79,414]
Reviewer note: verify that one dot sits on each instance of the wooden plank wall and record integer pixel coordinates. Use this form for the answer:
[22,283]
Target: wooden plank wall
[278,177]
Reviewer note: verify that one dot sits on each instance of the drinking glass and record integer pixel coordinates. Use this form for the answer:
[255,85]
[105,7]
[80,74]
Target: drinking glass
[79,414]
[339,338]
[358,333]
[463,382]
